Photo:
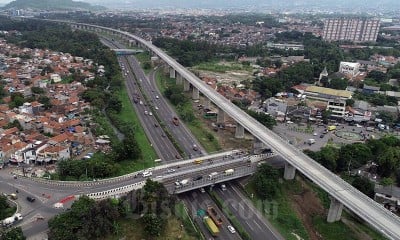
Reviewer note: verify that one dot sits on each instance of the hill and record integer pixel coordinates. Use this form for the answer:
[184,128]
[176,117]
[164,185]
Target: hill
[51,5]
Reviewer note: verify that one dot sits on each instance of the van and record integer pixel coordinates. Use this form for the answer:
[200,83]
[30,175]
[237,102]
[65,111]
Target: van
[147,174]
[311,141]
[331,128]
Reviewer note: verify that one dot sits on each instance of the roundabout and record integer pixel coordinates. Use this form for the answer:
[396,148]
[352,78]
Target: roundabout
[348,135]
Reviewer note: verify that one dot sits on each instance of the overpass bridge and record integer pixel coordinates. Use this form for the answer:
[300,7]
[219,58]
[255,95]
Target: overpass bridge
[342,193]
[121,52]
[197,175]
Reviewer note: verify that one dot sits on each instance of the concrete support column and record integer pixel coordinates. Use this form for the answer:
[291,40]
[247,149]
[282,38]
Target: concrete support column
[195,94]
[207,103]
[239,133]
[178,79]
[257,146]
[186,85]
[290,172]
[335,211]
[220,116]
[172,73]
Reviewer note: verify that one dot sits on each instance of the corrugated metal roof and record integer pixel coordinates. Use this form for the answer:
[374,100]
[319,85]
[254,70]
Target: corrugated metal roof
[329,91]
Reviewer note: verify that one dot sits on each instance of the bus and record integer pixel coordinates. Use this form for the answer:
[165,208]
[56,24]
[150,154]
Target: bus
[210,114]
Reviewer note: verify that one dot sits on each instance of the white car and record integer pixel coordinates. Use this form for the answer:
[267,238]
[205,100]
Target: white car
[231,229]
[157,97]
[156,107]
[145,112]
[359,126]
[150,113]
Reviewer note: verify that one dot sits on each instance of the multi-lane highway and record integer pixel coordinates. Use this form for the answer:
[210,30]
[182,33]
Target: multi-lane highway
[372,212]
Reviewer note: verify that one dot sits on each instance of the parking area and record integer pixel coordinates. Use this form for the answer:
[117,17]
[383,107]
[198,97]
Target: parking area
[313,136]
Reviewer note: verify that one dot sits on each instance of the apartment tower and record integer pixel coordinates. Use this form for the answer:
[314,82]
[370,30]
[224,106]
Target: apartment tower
[352,29]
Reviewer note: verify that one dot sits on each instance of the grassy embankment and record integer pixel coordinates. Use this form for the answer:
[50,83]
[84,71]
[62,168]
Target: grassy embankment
[287,222]
[198,129]
[133,228]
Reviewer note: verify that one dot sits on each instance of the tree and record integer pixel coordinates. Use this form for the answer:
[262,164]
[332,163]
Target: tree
[17,99]
[13,234]
[364,185]
[378,76]
[263,118]
[389,161]
[386,182]
[266,182]
[353,156]
[350,102]
[153,225]
[326,115]
[338,83]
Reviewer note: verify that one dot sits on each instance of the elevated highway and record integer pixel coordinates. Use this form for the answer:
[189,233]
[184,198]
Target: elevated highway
[342,193]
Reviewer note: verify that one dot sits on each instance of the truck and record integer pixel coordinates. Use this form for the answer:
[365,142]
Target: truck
[11,220]
[211,226]
[311,141]
[175,121]
[214,216]
[212,175]
[229,171]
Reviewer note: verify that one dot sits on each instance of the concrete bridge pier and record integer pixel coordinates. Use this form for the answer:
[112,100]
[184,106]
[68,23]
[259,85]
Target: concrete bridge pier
[290,172]
[186,85]
[220,116]
[172,73]
[258,146]
[207,103]
[335,211]
[239,132]
[195,94]
[179,79]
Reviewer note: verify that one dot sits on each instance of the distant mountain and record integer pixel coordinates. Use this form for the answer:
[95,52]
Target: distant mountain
[224,4]
[52,5]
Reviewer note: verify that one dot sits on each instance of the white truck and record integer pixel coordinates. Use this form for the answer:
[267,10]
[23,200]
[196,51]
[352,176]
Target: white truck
[212,175]
[229,171]
[11,220]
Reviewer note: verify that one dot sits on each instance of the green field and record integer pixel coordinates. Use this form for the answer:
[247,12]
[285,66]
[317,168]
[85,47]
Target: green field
[222,67]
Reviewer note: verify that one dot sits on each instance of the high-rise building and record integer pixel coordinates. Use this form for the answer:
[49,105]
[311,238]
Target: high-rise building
[352,29]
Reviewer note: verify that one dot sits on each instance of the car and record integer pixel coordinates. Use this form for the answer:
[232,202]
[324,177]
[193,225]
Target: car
[321,136]
[155,125]
[195,148]
[198,178]
[171,170]
[202,190]
[223,187]
[146,112]
[141,103]
[157,97]
[15,176]
[231,229]
[156,108]
[163,135]
[359,126]
[315,134]
[150,113]
[30,199]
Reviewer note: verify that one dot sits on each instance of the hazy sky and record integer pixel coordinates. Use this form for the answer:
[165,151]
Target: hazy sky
[328,4]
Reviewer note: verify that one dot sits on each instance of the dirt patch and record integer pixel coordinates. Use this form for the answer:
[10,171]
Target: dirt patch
[307,204]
